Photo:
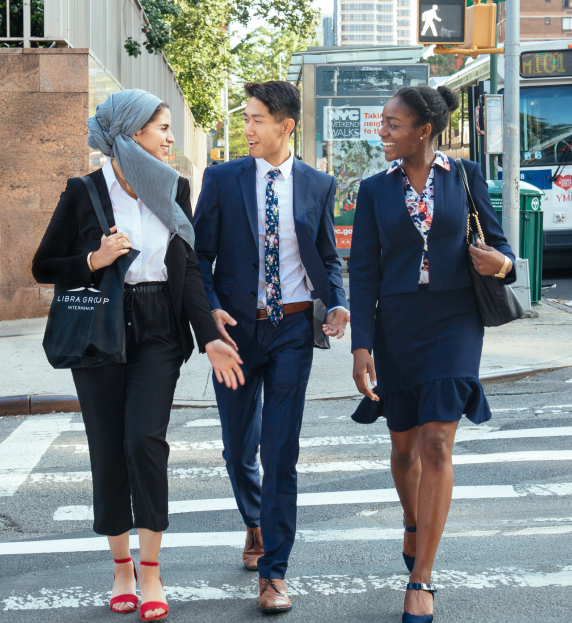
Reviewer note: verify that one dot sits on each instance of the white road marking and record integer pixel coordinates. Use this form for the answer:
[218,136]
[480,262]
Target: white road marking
[23,449]
[321,468]
[322,585]
[236,539]
[371,496]
[464,434]
[200,423]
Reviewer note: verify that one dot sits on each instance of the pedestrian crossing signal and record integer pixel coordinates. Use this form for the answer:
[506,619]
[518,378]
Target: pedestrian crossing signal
[441,22]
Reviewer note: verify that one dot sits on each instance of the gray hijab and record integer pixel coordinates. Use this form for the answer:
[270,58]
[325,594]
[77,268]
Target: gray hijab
[115,121]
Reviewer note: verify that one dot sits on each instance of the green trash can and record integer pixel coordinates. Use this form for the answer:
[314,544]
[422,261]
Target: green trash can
[531,229]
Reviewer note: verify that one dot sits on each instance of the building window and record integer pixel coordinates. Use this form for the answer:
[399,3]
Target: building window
[384,18]
[358,7]
[358,17]
[402,2]
[403,12]
[403,22]
[403,33]
[385,28]
[385,37]
[566,23]
[403,43]
[385,7]
[355,27]
[566,4]
[358,37]
[547,20]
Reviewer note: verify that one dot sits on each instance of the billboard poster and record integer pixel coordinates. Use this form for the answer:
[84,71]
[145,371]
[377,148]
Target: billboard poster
[349,107]
[352,123]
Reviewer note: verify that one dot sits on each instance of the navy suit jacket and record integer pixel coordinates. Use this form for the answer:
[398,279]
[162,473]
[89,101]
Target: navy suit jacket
[387,247]
[226,228]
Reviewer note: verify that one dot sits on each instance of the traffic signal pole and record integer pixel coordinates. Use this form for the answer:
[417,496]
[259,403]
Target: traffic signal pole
[511,125]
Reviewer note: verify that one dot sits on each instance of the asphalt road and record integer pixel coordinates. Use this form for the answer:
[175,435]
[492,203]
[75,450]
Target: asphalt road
[506,556]
[561,281]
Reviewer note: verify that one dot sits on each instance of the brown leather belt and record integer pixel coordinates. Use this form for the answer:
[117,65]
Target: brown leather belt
[289,308]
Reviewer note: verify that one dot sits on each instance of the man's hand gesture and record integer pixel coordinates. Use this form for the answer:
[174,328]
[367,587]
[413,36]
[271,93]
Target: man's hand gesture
[221,319]
[336,322]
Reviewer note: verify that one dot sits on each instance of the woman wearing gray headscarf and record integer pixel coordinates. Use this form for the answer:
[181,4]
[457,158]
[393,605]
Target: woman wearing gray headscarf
[126,407]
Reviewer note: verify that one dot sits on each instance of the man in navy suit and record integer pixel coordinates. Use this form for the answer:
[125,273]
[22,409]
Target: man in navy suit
[276,292]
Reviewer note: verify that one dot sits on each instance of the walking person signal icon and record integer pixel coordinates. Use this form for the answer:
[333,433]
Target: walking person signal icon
[442,23]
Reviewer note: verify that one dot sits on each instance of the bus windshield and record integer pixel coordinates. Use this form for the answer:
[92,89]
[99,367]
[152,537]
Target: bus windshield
[545,128]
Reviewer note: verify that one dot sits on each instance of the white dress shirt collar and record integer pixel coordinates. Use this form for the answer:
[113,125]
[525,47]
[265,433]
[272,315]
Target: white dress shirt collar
[263,166]
[109,175]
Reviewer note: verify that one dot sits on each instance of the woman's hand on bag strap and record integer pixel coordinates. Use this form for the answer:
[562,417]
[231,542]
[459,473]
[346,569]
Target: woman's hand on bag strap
[112,247]
[487,260]
[226,363]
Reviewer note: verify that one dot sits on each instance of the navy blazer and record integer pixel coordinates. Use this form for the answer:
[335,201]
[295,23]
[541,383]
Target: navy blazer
[226,228]
[387,247]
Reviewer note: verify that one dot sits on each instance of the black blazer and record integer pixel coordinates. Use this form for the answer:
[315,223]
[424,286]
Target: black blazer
[74,231]
[387,247]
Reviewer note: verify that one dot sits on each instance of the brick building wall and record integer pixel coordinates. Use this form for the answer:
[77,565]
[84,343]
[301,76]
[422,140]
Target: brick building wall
[540,19]
[43,114]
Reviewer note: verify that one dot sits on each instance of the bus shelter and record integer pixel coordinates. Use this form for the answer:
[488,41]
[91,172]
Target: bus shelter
[343,94]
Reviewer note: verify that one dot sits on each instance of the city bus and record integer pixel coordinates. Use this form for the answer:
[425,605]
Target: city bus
[545,133]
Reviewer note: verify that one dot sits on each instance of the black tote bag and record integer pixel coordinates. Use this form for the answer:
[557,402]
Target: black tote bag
[85,326]
[496,302]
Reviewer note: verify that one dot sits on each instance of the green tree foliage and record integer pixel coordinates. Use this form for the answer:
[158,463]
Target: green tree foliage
[159,34]
[17,21]
[194,37]
[445,64]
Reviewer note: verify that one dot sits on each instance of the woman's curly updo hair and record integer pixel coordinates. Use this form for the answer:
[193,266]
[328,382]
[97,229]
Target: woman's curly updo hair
[430,105]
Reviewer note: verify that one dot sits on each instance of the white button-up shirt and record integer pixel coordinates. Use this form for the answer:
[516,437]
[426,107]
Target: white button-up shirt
[292,271]
[145,231]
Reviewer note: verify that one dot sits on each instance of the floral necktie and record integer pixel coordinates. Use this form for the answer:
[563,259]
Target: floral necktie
[274,307]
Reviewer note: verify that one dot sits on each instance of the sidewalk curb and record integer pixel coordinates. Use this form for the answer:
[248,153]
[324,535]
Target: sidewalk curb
[42,404]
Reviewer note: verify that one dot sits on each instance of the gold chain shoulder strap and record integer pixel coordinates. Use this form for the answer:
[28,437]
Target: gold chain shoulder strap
[469,199]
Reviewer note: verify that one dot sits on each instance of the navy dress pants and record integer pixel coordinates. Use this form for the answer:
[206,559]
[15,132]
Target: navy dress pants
[278,360]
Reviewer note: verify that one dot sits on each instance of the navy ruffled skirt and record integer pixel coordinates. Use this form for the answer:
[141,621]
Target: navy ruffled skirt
[427,352]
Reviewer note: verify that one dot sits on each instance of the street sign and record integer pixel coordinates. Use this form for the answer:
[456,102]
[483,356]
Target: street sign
[441,22]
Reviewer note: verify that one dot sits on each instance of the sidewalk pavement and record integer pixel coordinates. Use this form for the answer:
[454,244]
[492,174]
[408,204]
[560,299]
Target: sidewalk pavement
[523,347]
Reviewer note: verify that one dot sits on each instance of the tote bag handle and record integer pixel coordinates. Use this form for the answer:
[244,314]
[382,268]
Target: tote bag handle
[96,201]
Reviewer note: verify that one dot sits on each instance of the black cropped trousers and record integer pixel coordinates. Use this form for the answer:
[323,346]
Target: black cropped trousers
[126,410]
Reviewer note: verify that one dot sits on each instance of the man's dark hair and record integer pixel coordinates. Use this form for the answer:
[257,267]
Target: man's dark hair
[280,97]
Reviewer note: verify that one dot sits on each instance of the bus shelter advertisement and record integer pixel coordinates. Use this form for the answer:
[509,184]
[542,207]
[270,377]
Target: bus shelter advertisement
[352,151]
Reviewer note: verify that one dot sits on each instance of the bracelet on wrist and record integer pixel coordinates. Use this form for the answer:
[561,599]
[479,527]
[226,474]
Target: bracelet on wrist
[91,268]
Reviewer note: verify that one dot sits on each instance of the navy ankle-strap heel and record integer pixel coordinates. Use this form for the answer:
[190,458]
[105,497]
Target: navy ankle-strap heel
[409,560]
[424,618]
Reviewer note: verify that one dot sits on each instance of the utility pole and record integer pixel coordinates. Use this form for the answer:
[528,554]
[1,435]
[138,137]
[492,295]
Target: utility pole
[493,158]
[511,125]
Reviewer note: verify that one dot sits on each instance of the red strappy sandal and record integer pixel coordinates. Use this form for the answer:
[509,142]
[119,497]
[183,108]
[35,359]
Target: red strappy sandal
[153,605]
[127,599]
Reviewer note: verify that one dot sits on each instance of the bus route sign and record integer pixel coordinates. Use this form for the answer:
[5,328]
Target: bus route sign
[549,64]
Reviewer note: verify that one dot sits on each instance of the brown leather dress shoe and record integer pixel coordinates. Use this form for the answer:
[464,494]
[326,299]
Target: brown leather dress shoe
[253,549]
[273,596]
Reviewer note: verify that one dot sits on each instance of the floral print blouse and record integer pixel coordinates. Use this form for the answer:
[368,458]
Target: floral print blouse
[420,207]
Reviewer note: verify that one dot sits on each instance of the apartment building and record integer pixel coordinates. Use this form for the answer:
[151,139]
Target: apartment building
[540,20]
[370,23]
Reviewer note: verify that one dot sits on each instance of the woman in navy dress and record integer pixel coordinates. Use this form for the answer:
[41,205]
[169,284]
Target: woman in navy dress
[413,305]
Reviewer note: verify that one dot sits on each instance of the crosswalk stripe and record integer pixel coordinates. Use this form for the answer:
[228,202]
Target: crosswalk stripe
[236,539]
[464,434]
[325,467]
[371,496]
[22,450]
[321,586]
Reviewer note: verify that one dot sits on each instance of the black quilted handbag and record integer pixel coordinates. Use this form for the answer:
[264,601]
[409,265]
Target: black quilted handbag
[496,301]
